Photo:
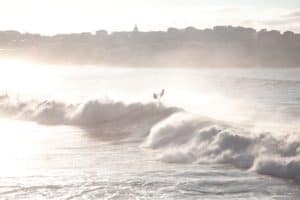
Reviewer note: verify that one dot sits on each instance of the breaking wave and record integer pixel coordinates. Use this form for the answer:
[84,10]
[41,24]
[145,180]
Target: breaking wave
[183,138]
[106,119]
[177,136]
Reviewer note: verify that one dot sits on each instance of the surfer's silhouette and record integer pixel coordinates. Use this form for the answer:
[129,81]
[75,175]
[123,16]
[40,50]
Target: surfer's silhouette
[157,96]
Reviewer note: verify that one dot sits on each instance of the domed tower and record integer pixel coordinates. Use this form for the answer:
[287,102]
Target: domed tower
[135,29]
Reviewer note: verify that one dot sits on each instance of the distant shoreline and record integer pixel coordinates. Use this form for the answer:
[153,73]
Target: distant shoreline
[190,47]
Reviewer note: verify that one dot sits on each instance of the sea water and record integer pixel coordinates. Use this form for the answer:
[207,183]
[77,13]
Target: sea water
[87,132]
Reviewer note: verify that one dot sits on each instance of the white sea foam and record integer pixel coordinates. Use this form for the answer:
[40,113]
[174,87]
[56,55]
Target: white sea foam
[186,138]
[95,116]
[176,135]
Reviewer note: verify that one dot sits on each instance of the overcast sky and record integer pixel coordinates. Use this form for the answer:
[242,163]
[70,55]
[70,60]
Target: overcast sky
[63,16]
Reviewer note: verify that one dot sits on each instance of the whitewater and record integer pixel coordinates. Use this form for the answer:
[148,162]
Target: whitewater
[87,132]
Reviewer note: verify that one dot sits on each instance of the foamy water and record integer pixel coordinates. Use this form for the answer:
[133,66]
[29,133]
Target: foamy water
[91,132]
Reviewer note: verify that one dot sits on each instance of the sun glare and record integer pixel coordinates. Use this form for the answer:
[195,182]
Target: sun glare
[19,141]
[21,78]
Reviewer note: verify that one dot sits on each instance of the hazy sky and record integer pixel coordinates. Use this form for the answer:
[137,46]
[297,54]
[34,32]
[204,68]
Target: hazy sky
[54,16]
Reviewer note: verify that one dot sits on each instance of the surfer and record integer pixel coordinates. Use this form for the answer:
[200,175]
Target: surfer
[157,96]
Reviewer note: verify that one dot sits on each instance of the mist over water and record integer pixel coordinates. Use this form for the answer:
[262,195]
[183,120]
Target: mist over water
[213,133]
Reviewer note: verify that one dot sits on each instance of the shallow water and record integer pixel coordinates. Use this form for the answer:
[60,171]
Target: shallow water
[70,165]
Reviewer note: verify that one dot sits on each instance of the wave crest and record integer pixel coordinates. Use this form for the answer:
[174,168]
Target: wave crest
[106,117]
[176,135]
[184,138]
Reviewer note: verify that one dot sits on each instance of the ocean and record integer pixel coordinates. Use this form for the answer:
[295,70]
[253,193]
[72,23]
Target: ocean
[90,132]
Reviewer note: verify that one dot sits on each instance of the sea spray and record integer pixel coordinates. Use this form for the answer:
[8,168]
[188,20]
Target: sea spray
[177,136]
[184,138]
